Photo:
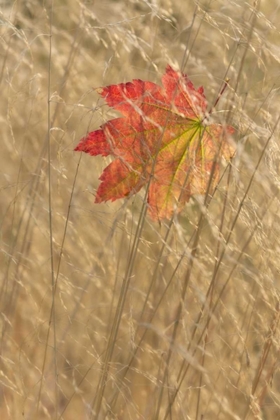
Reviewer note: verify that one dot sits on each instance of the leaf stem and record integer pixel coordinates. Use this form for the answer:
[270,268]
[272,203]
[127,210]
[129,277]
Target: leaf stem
[225,85]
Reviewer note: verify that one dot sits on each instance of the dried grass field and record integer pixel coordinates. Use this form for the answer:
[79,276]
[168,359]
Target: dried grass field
[106,314]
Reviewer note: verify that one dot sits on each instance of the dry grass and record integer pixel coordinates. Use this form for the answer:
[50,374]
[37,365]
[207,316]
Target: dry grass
[105,314]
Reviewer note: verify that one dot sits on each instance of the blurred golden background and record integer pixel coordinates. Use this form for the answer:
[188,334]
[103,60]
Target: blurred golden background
[105,314]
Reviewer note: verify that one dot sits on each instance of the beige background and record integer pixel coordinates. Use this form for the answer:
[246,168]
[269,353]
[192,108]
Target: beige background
[58,301]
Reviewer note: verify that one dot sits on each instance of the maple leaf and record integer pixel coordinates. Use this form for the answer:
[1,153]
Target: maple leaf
[162,140]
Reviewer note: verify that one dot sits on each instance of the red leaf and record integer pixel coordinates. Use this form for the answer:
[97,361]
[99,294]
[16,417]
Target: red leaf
[162,140]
